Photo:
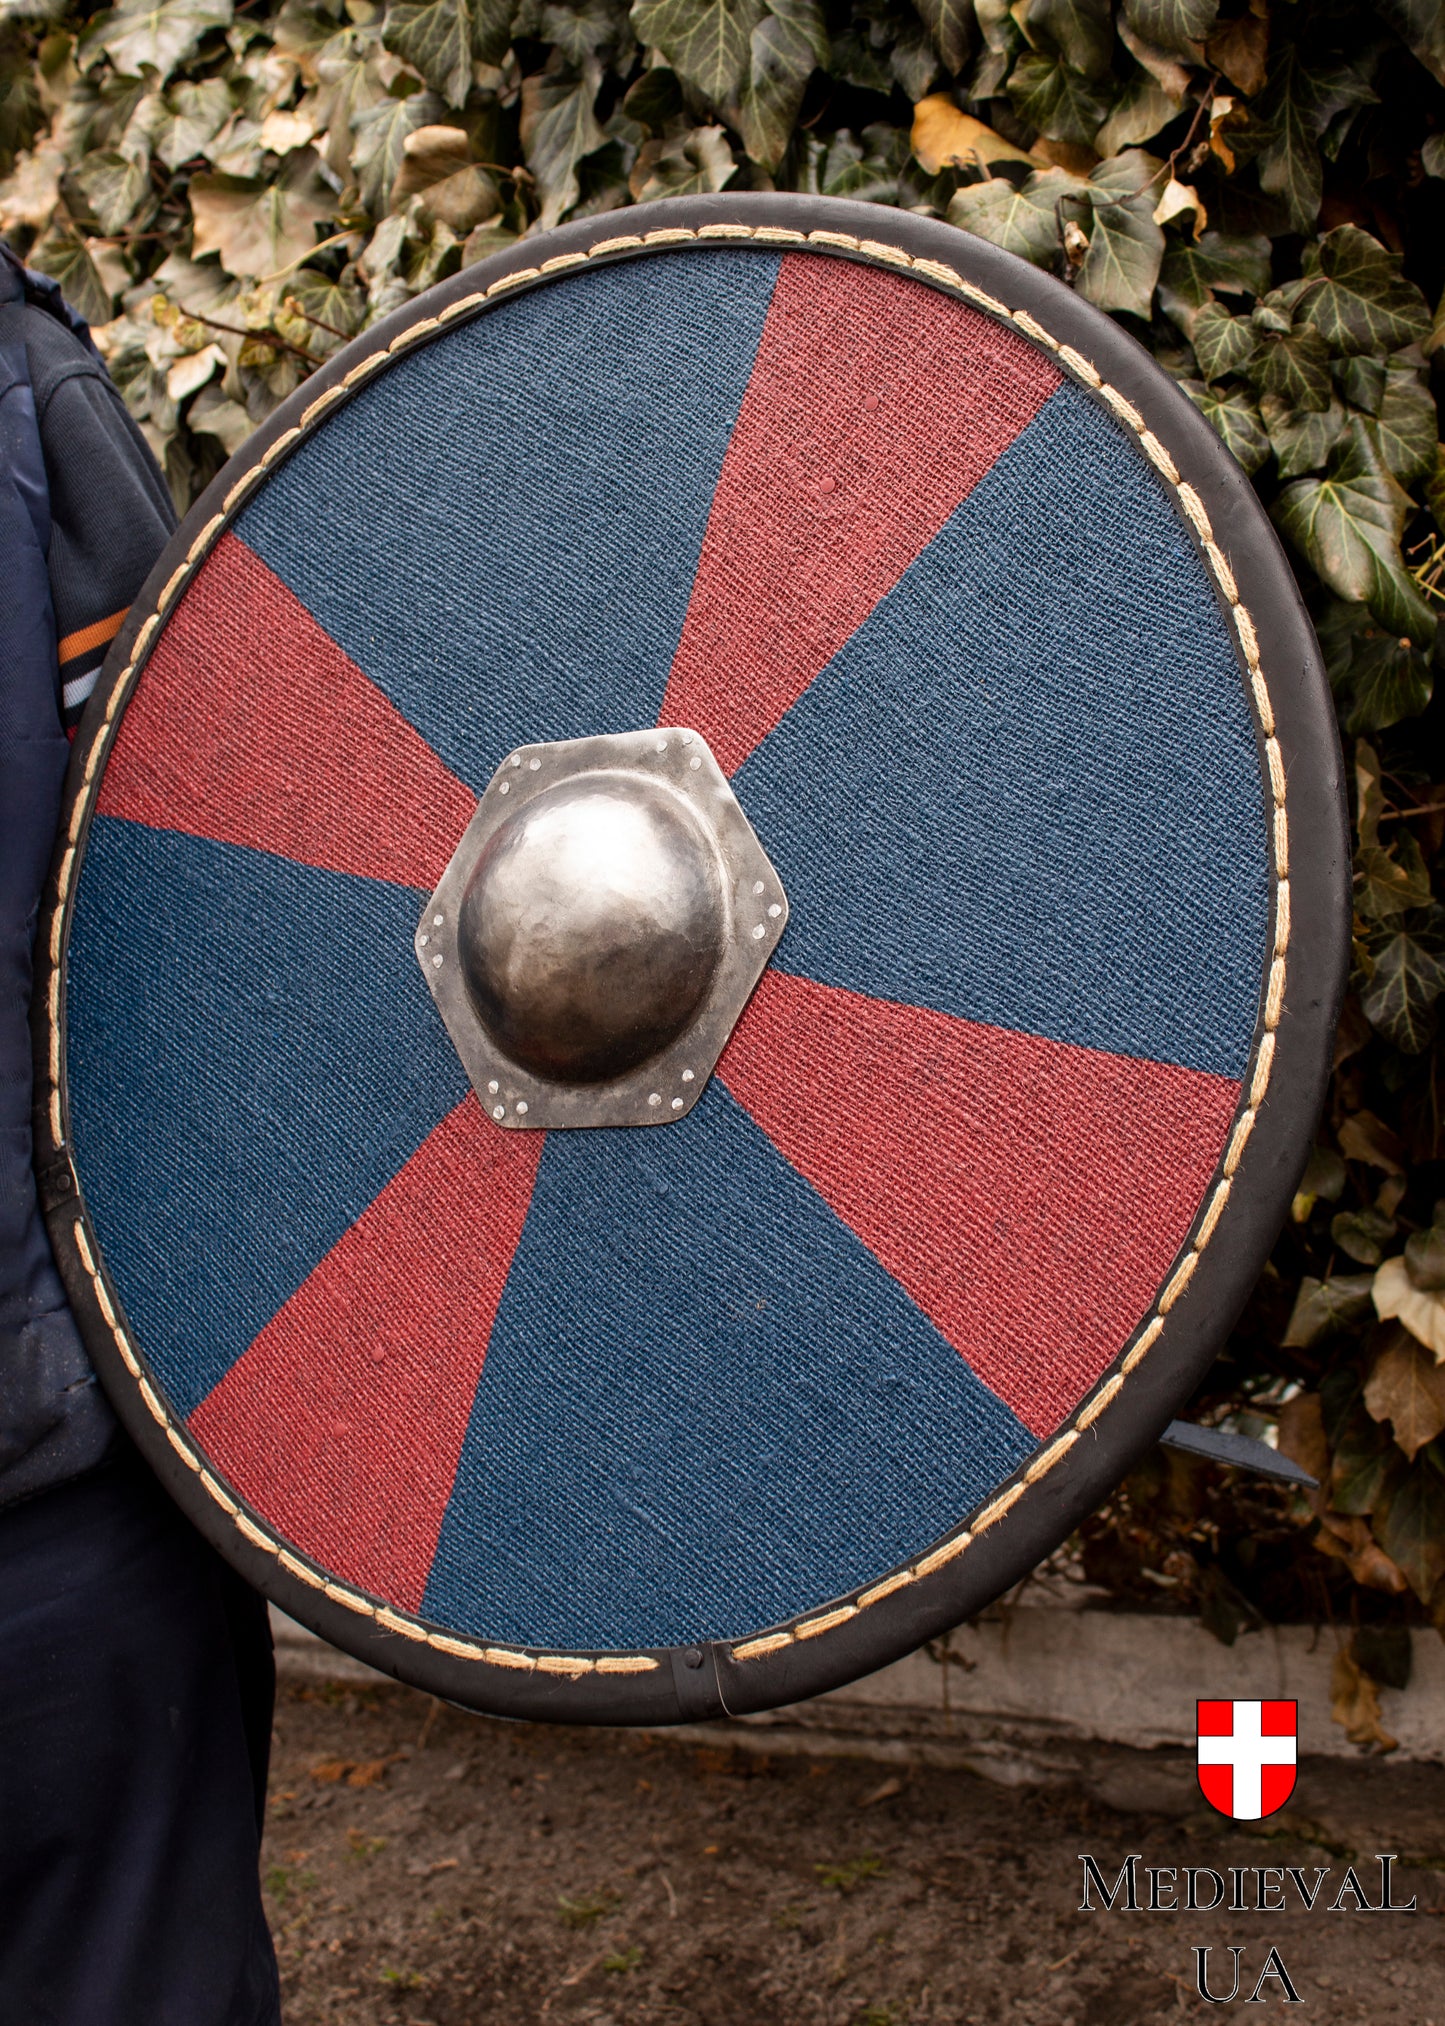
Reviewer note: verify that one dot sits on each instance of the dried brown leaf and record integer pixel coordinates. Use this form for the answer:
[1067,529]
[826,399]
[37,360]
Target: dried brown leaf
[260,229]
[31,192]
[1355,1705]
[1240,48]
[1422,1313]
[1164,67]
[1351,1542]
[943,137]
[1407,1388]
[1064,155]
[1301,1435]
[437,166]
[1363,1137]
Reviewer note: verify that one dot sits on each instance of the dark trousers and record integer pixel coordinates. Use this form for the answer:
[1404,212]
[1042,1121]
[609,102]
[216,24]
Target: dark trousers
[136,1692]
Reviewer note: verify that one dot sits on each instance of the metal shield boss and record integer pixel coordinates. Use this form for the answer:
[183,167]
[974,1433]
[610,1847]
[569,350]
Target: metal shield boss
[771,669]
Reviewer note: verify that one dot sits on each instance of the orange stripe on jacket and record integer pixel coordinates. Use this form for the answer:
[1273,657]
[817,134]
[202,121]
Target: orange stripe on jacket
[98,635]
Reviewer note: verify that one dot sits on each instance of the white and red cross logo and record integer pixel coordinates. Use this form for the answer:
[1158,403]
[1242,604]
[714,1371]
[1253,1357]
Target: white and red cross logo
[1247,1756]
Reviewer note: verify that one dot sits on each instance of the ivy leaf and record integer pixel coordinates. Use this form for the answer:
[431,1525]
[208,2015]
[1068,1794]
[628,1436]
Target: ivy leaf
[559,128]
[1391,882]
[1432,155]
[785,49]
[1223,344]
[1023,221]
[1348,526]
[858,62]
[116,188]
[951,24]
[63,255]
[1220,263]
[912,60]
[1323,1180]
[1363,1235]
[1178,25]
[803,22]
[1338,627]
[22,114]
[1294,110]
[1362,382]
[440,38]
[1416,872]
[1411,1528]
[1384,887]
[381,143]
[1407,1388]
[138,36]
[1407,424]
[1081,32]
[1391,681]
[237,149]
[338,310]
[1341,1384]
[1425,1258]
[1145,107]
[260,228]
[655,100]
[707,42]
[1399,1003]
[188,119]
[1360,302]
[578,31]
[684,165]
[1324,1307]
[1125,243]
[1001,39]
[1301,438]
[1234,418]
[1434,488]
[350,86]
[1056,100]
[213,413]
[1364,1467]
[493,235]
[1293,365]
[197,288]
[844,169]
[1420,25]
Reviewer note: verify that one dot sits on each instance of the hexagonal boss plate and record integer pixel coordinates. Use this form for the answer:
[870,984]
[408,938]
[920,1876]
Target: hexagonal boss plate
[671,773]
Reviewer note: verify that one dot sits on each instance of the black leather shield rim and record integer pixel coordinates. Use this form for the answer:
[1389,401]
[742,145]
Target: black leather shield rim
[1235,1226]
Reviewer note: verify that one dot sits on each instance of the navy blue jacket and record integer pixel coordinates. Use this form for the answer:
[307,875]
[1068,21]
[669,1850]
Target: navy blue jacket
[83,513]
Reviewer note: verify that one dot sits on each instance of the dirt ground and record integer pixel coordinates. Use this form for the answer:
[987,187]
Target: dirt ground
[427,1866]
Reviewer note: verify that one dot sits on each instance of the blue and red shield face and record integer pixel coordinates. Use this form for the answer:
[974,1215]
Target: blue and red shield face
[943,626]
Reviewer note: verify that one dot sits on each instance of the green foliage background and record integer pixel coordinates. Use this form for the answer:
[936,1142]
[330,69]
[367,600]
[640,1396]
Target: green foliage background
[229,189]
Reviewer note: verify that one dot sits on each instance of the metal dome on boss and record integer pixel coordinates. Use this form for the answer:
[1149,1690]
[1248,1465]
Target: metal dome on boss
[772,669]
[599,929]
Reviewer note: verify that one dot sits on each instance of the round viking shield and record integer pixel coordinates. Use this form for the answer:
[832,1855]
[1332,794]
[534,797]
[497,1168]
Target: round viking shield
[692,959]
